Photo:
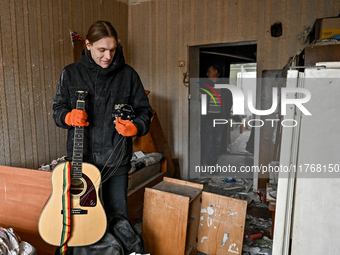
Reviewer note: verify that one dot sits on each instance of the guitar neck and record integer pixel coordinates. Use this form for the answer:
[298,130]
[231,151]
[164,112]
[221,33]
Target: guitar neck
[77,158]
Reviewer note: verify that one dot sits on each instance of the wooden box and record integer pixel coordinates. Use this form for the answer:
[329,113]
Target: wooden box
[180,219]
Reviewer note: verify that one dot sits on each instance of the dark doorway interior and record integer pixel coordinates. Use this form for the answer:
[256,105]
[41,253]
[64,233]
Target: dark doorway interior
[225,56]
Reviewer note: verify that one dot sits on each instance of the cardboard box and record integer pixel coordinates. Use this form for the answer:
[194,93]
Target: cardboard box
[330,27]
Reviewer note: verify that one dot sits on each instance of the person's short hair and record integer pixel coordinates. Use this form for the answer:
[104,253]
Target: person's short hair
[99,30]
[218,69]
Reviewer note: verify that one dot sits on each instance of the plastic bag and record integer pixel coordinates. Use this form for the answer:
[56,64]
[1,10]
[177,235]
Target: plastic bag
[11,244]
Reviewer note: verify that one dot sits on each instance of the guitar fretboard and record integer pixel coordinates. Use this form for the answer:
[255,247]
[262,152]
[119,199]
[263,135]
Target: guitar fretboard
[77,158]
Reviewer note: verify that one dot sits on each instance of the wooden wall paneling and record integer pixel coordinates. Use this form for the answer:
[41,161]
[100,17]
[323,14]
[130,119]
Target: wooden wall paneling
[220,24]
[150,59]
[27,147]
[243,18]
[231,20]
[274,15]
[321,8]
[259,37]
[191,24]
[329,8]
[214,20]
[135,39]
[200,26]
[123,22]
[160,47]
[291,29]
[157,67]
[22,159]
[105,6]
[101,10]
[66,41]
[9,83]
[91,11]
[142,53]
[83,19]
[203,31]
[288,28]
[114,18]
[46,83]
[4,134]
[129,39]
[38,78]
[57,67]
[172,67]
[151,63]
[32,158]
[51,80]
[254,24]
[2,112]
[161,67]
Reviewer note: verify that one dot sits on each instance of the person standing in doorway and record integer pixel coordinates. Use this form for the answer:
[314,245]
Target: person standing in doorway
[212,137]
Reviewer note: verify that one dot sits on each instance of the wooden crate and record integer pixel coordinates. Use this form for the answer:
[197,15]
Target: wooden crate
[171,217]
[180,219]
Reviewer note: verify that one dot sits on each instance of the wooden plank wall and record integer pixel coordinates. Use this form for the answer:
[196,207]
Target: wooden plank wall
[160,32]
[35,45]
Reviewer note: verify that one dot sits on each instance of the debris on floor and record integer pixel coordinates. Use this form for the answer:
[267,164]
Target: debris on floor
[258,220]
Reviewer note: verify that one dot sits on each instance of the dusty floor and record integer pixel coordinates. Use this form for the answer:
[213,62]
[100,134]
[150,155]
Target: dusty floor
[258,218]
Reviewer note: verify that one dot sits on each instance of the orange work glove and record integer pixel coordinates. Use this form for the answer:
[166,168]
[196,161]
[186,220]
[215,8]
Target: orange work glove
[76,118]
[125,127]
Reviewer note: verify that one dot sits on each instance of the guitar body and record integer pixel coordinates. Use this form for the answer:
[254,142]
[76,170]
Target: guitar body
[88,219]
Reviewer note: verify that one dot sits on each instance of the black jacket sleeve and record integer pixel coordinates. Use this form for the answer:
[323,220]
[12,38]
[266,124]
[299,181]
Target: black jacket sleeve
[61,101]
[140,104]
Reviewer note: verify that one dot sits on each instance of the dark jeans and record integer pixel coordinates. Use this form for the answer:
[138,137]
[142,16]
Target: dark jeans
[212,139]
[115,195]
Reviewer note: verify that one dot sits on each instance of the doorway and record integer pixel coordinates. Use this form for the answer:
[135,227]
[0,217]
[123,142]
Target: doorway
[236,62]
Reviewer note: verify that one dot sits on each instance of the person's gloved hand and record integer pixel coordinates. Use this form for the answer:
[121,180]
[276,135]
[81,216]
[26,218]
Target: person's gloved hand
[76,118]
[125,127]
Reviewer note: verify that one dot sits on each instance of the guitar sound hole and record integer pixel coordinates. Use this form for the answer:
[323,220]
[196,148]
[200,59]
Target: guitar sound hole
[77,186]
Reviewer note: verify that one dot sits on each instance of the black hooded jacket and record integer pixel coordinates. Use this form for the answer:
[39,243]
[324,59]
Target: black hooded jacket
[107,87]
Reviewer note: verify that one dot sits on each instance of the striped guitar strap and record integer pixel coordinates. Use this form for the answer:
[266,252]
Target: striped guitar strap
[66,209]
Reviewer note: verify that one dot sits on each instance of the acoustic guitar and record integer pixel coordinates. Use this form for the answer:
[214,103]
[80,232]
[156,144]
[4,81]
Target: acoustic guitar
[88,219]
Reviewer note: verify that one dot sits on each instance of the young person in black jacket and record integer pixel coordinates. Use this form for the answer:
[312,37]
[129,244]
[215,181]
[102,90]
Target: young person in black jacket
[110,84]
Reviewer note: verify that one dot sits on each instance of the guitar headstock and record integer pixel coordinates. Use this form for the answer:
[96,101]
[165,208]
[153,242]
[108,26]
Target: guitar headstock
[81,95]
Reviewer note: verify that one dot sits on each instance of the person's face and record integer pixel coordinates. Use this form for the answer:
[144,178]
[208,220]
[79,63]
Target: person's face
[212,73]
[103,50]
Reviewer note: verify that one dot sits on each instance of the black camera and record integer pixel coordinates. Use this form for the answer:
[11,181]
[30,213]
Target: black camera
[124,111]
